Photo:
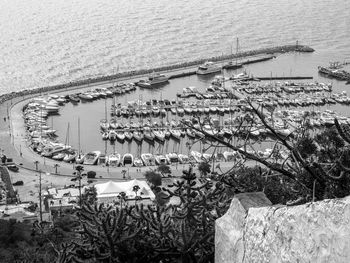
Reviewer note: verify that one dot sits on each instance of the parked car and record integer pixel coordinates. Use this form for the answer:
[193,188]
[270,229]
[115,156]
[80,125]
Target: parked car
[13,167]
[18,183]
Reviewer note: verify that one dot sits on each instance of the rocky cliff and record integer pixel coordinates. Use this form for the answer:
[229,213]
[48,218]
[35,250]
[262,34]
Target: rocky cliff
[254,231]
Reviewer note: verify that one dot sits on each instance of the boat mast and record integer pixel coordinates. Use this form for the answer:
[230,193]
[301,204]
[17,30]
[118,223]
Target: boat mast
[106,109]
[79,136]
[236,50]
[67,137]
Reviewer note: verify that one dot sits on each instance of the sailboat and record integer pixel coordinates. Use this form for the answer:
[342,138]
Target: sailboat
[80,158]
[233,64]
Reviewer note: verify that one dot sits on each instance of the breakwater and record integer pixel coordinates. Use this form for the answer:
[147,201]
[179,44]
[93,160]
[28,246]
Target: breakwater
[271,50]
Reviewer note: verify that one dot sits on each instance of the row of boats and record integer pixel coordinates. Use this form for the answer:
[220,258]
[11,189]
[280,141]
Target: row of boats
[278,87]
[61,152]
[98,93]
[335,71]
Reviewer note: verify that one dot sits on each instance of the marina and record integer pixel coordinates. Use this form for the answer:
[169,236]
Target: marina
[160,129]
[130,121]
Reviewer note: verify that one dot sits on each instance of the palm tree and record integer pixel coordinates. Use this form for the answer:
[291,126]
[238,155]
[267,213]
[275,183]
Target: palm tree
[135,188]
[122,197]
[79,169]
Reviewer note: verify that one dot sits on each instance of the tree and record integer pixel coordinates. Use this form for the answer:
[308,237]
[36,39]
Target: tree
[174,233]
[314,173]
[136,188]
[90,195]
[153,178]
[204,168]
[164,169]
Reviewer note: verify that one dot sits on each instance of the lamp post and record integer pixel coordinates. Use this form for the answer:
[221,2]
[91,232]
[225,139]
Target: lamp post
[56,165]
[36,165]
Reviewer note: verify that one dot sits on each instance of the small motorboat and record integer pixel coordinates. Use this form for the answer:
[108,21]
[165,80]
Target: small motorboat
[91,158]
[172,158]
[160,159]
[58,156]
[102,159]
[138,162]
[120,136]
[113,159]
[175,133]
[80,158]
[70,156]
[197,156]
[183,158]
[128,159]
[112,135]
[128,135]
[104,124]
[159,135]
[105,135]
[148,159]
[138,136]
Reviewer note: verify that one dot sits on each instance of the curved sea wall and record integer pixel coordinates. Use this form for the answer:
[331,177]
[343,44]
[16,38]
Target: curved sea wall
[271,50]
[254,231]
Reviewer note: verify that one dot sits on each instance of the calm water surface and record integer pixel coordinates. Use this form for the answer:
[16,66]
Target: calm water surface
[46,42]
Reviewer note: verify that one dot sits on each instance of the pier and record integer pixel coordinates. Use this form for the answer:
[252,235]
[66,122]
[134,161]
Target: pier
[282,78]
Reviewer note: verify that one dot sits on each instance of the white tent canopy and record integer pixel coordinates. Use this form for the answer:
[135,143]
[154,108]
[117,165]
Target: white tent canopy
[113,189]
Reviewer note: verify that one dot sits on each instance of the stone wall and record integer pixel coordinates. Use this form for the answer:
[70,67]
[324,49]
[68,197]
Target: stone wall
[255,231]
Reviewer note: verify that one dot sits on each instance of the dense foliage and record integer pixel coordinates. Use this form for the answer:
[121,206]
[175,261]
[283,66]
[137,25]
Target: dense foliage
[182,232]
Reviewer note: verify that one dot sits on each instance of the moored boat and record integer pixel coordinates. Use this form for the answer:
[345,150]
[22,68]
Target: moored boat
[114,159]
[91,158]
[128,159]
[148,159]
[208,68]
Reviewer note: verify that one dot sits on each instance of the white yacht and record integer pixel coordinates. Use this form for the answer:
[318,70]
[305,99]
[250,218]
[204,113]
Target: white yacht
[138,136]
[138,162]
[154,79]
[160,159]
[112,135]
[80,158]
[183,158]
[127,159]
[160,135]
[113,159]
[102,160]
[104,124]
[172,158]
[208,68]
[175,133]
[148,159]
[91,157]
[197,156]
[70,156]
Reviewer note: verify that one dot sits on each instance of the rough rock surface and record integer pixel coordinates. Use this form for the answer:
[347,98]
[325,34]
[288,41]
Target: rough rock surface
[229,228]
[314,232]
